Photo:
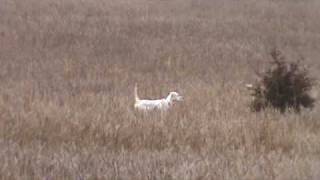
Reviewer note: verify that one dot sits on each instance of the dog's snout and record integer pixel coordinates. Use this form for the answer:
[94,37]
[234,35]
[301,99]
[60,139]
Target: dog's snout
[180,98]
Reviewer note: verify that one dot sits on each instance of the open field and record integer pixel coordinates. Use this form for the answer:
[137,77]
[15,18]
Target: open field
[68,69]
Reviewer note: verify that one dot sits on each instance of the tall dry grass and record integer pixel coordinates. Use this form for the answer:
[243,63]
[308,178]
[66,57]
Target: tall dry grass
[67,71]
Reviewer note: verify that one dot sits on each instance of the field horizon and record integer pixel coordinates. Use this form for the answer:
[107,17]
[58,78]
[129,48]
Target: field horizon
[68,70]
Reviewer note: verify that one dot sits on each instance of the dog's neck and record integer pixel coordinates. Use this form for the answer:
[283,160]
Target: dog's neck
[169,99]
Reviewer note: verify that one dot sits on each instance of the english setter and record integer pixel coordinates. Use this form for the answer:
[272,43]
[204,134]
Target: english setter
[158,104]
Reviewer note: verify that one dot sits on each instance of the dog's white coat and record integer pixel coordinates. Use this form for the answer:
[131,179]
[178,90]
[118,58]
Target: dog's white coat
[158,104]
[249,86]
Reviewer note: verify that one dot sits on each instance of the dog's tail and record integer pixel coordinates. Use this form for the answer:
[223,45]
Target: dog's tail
[136,97]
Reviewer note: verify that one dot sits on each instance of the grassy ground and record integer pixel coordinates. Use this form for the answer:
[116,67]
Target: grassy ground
[68,68]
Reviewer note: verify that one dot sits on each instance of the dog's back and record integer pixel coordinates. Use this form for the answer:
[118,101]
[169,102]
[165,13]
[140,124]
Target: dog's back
[159,104]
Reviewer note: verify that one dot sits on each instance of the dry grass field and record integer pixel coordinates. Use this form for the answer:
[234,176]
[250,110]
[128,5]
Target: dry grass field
[68,69]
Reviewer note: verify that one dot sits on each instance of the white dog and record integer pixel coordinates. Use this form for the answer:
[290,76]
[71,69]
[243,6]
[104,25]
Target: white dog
[250,86]
[159,104]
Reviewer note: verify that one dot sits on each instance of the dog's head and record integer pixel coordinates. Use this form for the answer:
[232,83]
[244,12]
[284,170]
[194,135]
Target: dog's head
[175,96]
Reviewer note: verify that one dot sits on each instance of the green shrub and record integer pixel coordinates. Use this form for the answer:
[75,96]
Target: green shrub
[285,85]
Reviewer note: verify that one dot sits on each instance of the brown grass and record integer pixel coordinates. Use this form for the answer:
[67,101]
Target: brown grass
[68,68]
